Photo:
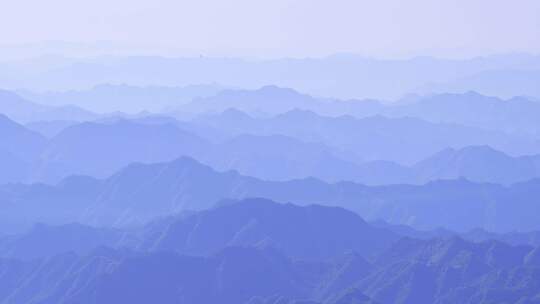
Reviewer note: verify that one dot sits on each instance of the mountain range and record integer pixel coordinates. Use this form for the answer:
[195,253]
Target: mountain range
[99,149]
[312,232]
[258,258]
[440,121]
[272,149]
[501,83]
[480,164]
[202,180]
[272,100]
[516,115]
[233,275]
[141,192]
[343,76]
[402,140]
[248,222]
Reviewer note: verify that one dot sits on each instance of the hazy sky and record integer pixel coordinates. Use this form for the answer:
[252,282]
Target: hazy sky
[282,27]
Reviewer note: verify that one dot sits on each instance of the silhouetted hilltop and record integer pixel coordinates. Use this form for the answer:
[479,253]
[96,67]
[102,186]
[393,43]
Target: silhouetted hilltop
[311,232]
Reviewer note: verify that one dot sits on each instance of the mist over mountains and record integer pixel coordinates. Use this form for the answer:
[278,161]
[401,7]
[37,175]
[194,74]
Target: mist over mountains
[106,98]
[333,180]
[341,76]
[502,83]
[514,115]
[139,193]
[387,151]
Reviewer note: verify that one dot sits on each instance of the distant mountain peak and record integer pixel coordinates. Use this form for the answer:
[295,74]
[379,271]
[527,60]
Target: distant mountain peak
[278,91]
[478,152]
[297,113]
[182,162]
[235,113]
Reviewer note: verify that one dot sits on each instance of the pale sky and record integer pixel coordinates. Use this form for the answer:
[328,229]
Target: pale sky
[282,27]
